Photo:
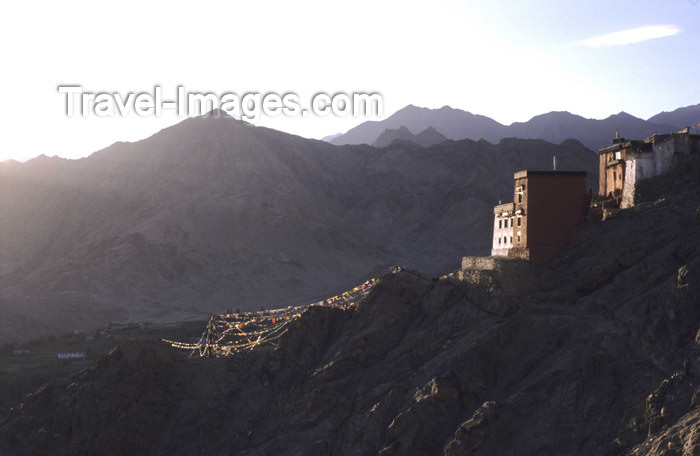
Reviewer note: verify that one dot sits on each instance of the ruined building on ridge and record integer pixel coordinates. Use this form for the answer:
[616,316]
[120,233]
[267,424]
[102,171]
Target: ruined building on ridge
[538,223]
[629,161]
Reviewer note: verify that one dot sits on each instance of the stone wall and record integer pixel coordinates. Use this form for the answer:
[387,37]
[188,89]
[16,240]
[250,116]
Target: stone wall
[637,169]
[660,161]
[664,152]
[509,276]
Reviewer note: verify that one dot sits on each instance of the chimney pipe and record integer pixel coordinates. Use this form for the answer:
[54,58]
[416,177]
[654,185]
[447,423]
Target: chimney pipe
[554,162]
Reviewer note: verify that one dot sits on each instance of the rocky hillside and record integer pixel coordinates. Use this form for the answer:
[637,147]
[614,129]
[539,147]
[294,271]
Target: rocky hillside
[214,213]
[600,357]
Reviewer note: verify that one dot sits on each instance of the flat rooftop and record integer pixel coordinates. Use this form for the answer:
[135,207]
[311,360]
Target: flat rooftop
[505,207]
[529,173]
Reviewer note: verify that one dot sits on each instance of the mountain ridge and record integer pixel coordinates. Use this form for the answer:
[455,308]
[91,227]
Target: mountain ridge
[202,215]
[554,126]
[426,138]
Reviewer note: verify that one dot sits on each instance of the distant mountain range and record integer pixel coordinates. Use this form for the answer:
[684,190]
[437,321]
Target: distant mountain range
[213,213]
[683,117]
[426,138]
[554,127]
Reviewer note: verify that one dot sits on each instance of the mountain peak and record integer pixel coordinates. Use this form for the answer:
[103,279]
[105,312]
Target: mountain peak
[216,112]
[681,117]
[426,138]
[554,115]
[450,122]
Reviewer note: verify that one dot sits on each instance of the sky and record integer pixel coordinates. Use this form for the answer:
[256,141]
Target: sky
[509,60]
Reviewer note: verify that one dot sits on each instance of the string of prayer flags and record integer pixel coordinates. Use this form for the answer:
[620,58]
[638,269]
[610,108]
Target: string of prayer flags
[227,334]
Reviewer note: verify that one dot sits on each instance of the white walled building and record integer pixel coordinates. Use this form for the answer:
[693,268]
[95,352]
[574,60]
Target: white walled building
[503,221]
[627,162]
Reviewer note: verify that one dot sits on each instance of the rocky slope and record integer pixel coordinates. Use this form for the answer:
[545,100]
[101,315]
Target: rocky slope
[553,126]
[600,357]
[213,213]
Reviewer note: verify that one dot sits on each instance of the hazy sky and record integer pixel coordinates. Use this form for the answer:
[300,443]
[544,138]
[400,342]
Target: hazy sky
[506,59]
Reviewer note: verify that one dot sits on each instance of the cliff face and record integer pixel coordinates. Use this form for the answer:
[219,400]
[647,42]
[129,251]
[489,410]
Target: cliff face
[601,357]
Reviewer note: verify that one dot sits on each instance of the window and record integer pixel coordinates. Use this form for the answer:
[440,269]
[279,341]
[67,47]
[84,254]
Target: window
[614,175]
[520,197]
[500,224]
[520,221]
[511,239]
[511,222]
[518,237]
[499,240]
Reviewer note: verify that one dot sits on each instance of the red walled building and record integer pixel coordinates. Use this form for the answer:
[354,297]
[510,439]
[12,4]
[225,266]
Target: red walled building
[546,207]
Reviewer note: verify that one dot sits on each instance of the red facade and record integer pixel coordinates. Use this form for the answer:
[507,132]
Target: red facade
[547,205]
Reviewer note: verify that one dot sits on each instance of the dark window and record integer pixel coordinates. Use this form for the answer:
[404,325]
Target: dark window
[520,197]
[520,221]
[518,239]
[511,222]
[499,240]
[500,223]
[511,239]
